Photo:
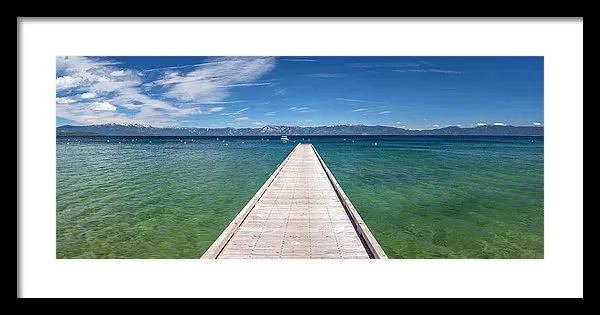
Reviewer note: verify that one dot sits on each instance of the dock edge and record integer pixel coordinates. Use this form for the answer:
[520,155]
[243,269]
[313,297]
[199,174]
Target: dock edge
[215,249]
[361,228]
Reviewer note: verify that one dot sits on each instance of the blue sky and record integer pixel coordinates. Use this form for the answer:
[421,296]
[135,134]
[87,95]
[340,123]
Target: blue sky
[407,92]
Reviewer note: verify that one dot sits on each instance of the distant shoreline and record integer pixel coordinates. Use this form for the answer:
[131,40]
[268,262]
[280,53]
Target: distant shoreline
[64,135]
[276,131]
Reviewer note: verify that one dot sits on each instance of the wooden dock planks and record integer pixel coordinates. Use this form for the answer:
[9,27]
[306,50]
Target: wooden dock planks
[300,212]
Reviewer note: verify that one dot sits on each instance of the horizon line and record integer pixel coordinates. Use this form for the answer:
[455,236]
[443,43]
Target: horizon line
[336,125]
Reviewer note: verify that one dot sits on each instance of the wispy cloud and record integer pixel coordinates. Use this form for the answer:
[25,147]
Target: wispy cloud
[216,109]
[174,67]
[210,83]
[258,123]
[245,84]
[282,91]
[535,123]
[481,124]
[270,113]
[360,110]
[325,75]
[435,125]
[404,67]
[302,109]
[385,112]
[499,124]
[300,60]
[236,113]
[349,100]
[410,70]
[242,118]
[444,71]
[204,64]
[223,102]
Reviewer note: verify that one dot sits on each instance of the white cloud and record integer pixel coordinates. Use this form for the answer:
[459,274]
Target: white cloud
[103,106]
[65,100]
[242,118]
[281,91]
[258,123]
[385,112]
[499,124]
[93,74]
[270,113]
[535,123]
[210,83]
[435,125]
[481,124]
[360,110]
[88,95]
[67,82]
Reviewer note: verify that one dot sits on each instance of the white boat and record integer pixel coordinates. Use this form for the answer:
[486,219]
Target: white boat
[284,139]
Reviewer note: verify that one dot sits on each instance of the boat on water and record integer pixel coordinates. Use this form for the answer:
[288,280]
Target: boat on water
[284,139]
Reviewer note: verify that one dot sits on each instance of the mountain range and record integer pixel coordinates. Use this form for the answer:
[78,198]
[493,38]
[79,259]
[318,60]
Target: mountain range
[346,130]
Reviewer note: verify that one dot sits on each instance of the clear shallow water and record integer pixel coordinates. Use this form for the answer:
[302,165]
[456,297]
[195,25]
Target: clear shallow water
[422,197]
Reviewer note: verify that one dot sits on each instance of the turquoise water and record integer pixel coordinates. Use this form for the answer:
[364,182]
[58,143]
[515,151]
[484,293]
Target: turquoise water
[422,197]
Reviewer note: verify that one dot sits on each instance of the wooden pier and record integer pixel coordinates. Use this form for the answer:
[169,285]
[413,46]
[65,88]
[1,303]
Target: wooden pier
[300,212]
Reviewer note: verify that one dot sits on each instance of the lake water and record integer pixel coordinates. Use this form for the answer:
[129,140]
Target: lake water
[422,197]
